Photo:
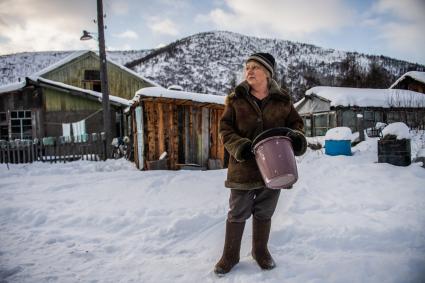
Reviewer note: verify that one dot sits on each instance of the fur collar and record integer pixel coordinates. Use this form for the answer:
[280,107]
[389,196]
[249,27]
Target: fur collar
[275,91]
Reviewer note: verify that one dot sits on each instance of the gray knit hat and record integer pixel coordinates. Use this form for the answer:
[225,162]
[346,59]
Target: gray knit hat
[265,59]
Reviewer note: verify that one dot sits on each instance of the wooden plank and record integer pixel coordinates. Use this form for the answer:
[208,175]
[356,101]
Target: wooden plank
[187,140]
[8,153]
[139,138]
[160,131]
[196,136]
[175,137]
[205,133]
[18,148]
[213,132]
[151,146]
[172,146]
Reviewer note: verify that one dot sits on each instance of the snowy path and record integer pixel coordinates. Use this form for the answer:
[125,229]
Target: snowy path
[348,219]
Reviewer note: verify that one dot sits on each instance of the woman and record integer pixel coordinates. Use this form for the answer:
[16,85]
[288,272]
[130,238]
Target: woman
[257,104]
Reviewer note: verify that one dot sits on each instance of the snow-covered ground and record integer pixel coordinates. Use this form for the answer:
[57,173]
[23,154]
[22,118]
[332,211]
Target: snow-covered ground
[347,219]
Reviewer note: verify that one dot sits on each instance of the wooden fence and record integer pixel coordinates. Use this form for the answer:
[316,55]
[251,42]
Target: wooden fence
[54,149]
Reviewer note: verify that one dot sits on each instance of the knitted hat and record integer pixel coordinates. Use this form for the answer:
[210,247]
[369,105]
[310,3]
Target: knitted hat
[265,59]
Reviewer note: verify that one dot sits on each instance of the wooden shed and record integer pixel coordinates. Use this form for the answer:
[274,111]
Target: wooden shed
[323,108]
[67,92]
[183,125]
[412,80]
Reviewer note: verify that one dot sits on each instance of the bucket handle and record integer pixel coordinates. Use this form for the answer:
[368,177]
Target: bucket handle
[279,131]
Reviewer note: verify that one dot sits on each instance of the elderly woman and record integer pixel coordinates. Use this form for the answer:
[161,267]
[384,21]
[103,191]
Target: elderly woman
[256,105]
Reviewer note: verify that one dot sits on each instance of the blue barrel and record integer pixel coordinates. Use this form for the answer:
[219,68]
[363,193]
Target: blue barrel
[338,147]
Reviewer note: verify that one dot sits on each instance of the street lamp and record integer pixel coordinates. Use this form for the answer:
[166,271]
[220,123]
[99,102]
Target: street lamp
[103,74]
[86,35]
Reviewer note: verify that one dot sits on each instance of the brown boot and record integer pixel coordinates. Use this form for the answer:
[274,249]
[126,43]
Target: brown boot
[232,247]
[260,237]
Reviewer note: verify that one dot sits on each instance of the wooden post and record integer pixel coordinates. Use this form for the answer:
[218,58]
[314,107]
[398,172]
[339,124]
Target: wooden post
[18,155]
[73,149]
[8,152]
[360,127]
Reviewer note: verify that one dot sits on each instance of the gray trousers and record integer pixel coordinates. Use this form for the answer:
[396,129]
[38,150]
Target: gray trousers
[261,203]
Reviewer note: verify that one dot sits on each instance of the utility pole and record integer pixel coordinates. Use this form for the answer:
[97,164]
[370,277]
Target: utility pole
[104,78]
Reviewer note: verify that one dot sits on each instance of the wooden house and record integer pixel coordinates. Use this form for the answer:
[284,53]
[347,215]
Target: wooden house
[67,92]
[413,80]
[323,108]
[181,125]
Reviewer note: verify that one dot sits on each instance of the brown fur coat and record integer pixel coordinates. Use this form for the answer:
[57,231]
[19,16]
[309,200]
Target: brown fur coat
[243,120]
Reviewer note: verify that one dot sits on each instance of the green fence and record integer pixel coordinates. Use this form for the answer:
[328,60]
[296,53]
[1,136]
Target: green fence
[54,149]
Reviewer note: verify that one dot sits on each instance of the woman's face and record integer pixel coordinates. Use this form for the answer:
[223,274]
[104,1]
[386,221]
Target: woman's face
[255,73]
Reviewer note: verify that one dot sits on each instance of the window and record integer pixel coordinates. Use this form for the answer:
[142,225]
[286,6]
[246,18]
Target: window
[323,122]
[349,119]
[369,119]
[4,133]
[91,75]
[3,117]
[92,80]
[307,125]
[21,125]
[392,117]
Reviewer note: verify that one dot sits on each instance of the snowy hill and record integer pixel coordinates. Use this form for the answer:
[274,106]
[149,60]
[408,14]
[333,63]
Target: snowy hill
[212,62]
[108,222]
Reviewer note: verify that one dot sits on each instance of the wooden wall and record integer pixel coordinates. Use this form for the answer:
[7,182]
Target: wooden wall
[121,83]
[61,107]
[186,130]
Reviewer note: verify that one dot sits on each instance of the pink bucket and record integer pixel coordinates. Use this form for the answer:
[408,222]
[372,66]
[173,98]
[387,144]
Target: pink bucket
[276,161]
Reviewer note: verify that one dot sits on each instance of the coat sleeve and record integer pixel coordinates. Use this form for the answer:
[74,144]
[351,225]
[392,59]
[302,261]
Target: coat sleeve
[233,142]
[294,120]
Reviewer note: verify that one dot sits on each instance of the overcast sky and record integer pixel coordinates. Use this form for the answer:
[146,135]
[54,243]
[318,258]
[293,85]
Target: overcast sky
[393,28]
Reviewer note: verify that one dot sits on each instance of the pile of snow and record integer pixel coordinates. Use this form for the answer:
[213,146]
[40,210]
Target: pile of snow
[339,134]
[380,125]
[347,219]
[367,97]
[399,129]
[421,153]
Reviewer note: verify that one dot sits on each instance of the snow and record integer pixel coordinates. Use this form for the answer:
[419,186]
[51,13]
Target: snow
[178,94]
[12,87]
[380,125]
[367,97]
[421,153]
[398,129]
[419,76]
[339,134]
[347,219]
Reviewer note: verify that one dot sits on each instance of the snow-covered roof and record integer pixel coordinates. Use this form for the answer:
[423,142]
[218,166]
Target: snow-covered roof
[366,97]
[56,65]
[80,53]
[12,87]
[177,94]
[98,95]
[419,76]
